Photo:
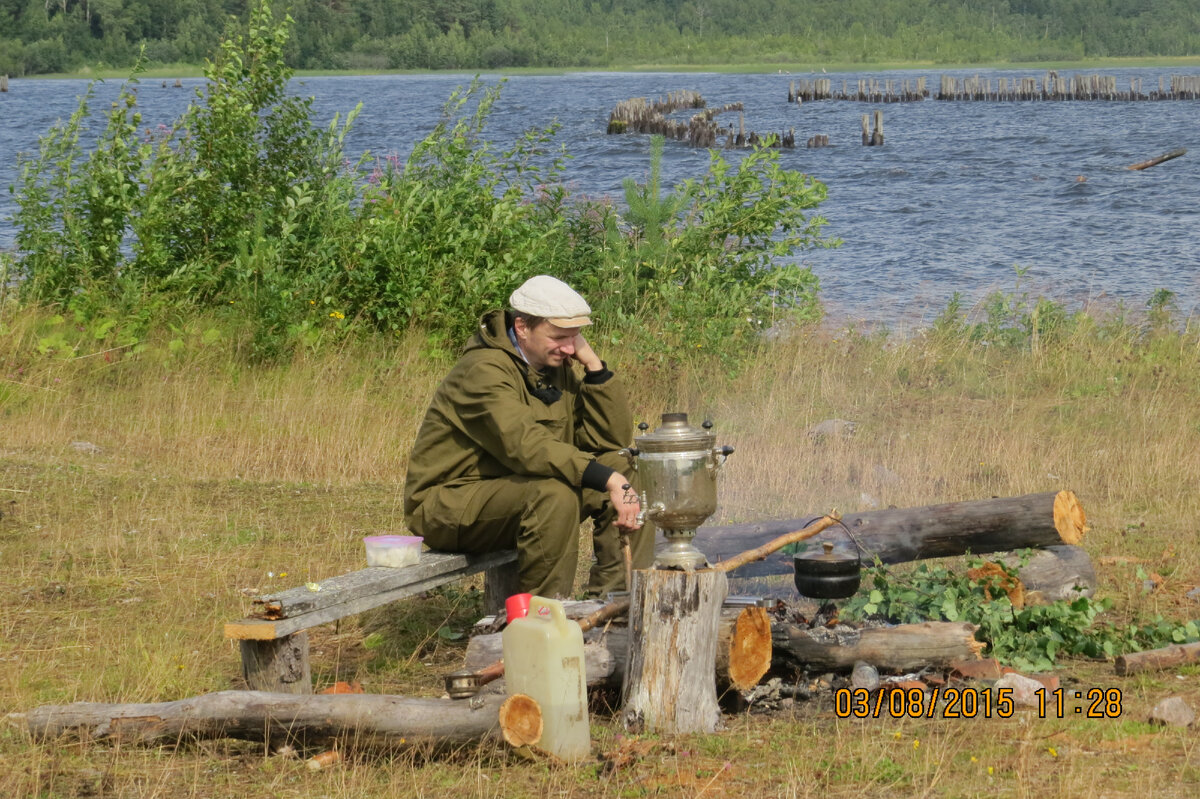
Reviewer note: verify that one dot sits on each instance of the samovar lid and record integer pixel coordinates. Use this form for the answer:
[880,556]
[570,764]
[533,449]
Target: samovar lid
[675,435]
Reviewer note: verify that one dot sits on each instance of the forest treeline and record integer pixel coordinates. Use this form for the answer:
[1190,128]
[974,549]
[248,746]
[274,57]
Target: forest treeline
[41,36]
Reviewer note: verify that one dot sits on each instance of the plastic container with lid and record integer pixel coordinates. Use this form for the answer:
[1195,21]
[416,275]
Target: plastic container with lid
[394,551]
[543,659]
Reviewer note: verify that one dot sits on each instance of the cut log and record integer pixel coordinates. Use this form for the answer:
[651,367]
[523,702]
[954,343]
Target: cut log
[743,652]
[275,718]
[1156,659]
[669,678]
[903,647]
[521,721]
[1054,573]
[898,535]
[1156,161]
[744,648]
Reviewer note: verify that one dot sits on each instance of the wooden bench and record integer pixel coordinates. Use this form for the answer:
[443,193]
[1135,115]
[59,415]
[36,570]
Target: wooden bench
[274,638]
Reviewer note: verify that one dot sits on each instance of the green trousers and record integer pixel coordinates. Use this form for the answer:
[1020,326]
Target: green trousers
[540,518]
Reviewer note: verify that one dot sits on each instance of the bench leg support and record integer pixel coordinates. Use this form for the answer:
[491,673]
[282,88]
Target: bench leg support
[280,666]
[499,583]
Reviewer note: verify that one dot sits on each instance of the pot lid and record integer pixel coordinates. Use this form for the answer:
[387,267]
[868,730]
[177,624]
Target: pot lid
[676,435]
[827,562]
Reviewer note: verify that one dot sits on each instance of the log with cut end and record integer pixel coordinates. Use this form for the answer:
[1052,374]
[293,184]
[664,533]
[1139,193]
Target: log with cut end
[278,718]
[521,721]
[903,647]
[743,648]
[743,652]
[669,679]
[1053,573]
[1157,659]
[898,535]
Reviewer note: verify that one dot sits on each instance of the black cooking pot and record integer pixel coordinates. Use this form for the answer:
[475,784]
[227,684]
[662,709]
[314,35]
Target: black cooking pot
[827,576]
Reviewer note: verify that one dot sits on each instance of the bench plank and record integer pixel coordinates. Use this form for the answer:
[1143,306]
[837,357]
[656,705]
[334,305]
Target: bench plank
[375,580]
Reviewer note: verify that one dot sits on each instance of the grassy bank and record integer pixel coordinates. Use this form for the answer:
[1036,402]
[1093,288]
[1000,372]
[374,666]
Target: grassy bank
[146,497]
[158,71]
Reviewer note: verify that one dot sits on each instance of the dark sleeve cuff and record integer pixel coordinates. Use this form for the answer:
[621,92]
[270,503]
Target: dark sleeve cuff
[596,474]
[601,375]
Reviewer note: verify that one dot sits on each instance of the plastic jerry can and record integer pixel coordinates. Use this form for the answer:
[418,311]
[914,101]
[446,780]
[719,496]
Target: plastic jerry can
[543,659]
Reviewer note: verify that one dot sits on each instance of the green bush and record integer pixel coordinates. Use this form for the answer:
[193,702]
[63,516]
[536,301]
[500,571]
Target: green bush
[244,206]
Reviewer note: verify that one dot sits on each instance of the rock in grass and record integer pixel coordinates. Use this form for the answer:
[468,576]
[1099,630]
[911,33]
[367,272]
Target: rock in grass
[1024,689]
[864,676]
[832,428]
[1172,712]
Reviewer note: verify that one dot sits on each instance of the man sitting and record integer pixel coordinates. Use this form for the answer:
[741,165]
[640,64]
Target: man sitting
[517,448]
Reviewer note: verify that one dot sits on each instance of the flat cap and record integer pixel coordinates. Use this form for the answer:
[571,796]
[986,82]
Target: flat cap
[553,300]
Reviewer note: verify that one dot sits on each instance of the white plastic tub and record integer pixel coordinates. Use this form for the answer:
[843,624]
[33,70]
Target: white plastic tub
[393,551]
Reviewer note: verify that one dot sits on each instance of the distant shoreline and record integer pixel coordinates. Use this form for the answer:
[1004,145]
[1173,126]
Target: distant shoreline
[171,71]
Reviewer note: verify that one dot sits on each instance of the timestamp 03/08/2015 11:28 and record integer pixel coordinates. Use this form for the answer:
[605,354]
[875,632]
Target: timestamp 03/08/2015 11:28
[970,702]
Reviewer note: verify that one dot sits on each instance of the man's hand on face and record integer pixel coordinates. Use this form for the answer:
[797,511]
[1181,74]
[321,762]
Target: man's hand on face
[586,355]
[625,500]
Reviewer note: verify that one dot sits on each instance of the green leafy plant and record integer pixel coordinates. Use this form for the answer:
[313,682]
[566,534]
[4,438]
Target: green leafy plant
[1030,637]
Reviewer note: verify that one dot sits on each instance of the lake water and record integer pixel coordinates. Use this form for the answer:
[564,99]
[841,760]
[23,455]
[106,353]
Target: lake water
[959,197]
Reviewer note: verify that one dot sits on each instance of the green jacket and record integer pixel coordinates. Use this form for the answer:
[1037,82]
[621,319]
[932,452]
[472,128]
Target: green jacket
[495,415]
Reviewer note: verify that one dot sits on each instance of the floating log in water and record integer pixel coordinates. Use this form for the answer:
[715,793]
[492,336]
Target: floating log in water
[1159,160]
[1050,87]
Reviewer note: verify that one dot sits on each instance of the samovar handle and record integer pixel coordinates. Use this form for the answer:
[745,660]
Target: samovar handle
[722,453]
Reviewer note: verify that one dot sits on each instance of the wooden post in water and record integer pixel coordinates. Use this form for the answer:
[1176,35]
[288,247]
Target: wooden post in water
[866,131]
[877,136]
[3,83]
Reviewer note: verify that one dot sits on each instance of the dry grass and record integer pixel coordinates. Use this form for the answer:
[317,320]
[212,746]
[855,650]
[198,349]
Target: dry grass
[211,478]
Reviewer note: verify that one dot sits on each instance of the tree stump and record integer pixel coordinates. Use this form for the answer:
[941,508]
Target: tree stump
[673,628]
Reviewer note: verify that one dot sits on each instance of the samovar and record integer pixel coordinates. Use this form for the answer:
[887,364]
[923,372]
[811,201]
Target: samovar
[677,468]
